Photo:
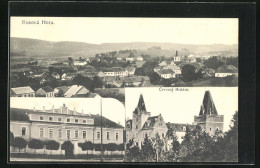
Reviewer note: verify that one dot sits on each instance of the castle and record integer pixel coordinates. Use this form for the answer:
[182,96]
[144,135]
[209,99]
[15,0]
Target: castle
[144,124]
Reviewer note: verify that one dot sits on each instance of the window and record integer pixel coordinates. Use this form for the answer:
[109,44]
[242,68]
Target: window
[84,121]
[117,136]
[107,135]
[76,133]
[59,119]
[136,126]
[41,132]
[84,134]
[50,118]
[76,120]
[184,128]
[68,119]
[41,117]
[68,134]
[60,133]
[51,133]
[23,131]
[98,135]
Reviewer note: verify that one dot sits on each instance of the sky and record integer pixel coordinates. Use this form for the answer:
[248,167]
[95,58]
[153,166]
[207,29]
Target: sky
[88,105]
[121,30]
[182,106]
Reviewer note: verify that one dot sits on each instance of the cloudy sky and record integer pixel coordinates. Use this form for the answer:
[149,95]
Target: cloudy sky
[182,106]
[119,30]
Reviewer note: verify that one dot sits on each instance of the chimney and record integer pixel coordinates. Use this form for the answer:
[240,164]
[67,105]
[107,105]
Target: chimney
[176,53]
[81,112]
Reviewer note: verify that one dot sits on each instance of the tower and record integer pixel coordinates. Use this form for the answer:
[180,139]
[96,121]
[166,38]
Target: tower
[140,115]
[208,117]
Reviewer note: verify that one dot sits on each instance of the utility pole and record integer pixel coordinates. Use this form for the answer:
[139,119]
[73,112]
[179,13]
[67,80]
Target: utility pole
[101,158]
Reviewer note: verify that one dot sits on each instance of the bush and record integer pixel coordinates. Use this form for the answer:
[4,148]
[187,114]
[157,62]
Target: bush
[35,144]
[20,143]
[68,147]
[52,145]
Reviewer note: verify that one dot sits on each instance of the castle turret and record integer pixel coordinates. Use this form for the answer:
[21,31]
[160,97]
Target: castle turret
[140,115]
[208,117]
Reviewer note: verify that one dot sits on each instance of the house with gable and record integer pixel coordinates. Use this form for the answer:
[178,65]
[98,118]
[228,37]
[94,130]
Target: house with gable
[226,70]
[46,91]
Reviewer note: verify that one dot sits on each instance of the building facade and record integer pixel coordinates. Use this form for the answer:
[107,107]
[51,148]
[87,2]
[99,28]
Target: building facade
[62,124]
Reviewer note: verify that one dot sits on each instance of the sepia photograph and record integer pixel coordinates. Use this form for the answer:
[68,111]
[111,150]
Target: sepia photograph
[107,89]
[82,57]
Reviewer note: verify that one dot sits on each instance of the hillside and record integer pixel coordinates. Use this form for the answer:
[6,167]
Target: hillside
[25,47]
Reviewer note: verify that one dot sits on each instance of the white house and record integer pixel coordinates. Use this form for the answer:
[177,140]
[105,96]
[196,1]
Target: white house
[226,70]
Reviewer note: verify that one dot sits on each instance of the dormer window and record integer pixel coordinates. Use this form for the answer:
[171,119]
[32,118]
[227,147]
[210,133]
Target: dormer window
[76,120]
[41,117]
[50,118]
[68,119]
[184,128]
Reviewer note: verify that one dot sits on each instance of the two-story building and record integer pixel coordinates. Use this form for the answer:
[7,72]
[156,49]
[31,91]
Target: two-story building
[62,124]
[46,91]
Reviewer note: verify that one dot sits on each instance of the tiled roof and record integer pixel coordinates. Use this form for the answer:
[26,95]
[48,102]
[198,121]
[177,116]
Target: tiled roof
[197,65]
[227,69]
[74,89]
[90,69]
[179,127]
[140,105]
[63,89]
[47,89]
[208,106]
[105,122]
[150,122]
[21,115]
[22,90]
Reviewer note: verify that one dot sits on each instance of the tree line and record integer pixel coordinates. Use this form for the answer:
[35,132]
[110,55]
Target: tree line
[197,146]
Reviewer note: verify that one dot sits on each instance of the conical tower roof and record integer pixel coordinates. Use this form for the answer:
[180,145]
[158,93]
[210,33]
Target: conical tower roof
[141,105]
[208,106]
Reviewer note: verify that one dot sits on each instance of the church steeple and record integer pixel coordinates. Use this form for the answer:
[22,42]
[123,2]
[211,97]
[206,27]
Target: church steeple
[208,106]
[140,106]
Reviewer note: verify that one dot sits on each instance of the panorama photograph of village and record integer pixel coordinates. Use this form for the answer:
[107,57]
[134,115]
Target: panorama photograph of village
[71,82]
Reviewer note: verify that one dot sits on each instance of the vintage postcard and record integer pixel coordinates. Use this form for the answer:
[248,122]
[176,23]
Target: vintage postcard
[104,89]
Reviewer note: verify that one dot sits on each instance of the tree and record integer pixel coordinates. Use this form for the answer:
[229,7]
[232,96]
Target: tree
[97,82]
[213,62]
[86,146]
[175,145]
[20,143]
[133,153]
[35,144]
[147,150]
[158,146]
[155,78]
[68,147]
[52,145]
[11,139]
[189,73]
[121,147]
[111,147]
[84,81]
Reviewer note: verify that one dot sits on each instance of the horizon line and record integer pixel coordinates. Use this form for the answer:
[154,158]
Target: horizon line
[124,42]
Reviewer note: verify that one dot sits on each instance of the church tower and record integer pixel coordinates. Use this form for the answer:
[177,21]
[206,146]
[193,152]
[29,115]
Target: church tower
[208,117]
[140,115]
